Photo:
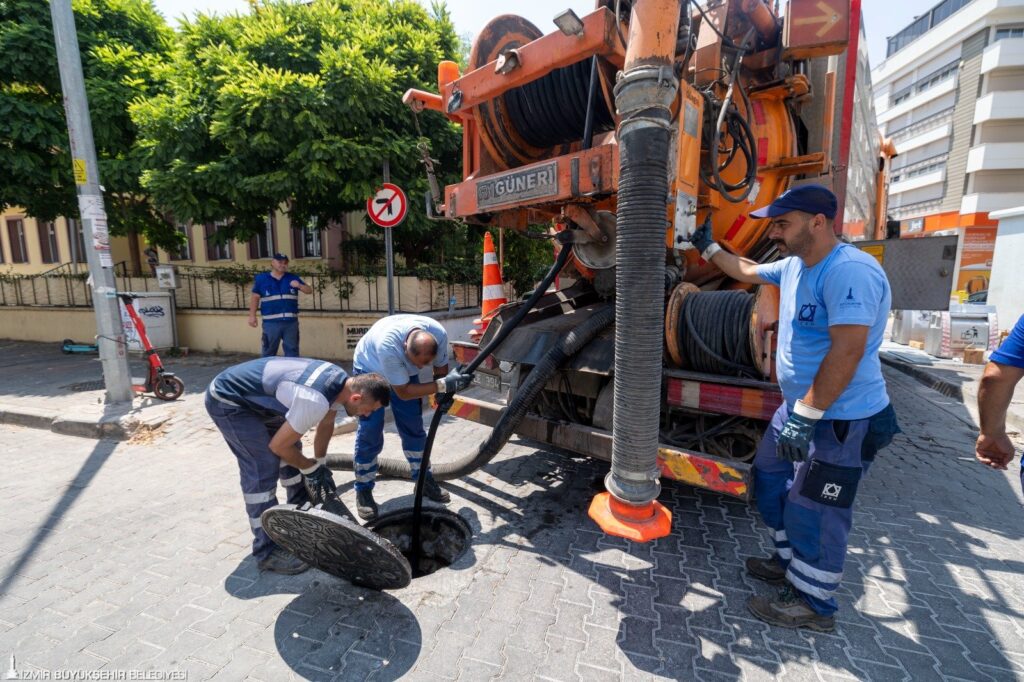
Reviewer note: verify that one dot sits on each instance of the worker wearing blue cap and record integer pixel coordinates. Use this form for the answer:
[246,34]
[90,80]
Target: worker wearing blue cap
[836,413]
[276,295]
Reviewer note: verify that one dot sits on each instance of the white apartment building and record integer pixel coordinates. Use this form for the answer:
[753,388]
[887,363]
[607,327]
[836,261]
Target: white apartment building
[950,94]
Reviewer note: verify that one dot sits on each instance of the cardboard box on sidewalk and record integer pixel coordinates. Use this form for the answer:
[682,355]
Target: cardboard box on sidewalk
[974,356]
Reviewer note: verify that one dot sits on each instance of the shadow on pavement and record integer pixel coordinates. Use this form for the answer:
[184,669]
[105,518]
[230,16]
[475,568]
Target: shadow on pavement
[332,629]
[62,503]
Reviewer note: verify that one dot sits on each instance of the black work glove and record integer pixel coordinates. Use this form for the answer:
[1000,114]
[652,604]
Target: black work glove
[455,381]
[702,238]
[795,439]
[319,483]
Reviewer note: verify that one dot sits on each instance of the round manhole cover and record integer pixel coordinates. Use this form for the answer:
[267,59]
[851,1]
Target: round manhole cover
[338,546]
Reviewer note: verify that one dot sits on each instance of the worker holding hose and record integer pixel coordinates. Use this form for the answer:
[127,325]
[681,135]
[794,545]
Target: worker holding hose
[836,413]
[398,347]
[262,408]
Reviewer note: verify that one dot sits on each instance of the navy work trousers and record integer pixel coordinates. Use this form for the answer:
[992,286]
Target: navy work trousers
[248,436]
[277,333]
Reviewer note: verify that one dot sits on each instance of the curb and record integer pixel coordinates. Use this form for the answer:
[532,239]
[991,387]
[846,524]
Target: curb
[946,388]
[105,427]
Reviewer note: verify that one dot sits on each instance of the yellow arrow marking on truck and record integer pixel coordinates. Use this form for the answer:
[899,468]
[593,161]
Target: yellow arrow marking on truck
[828,18]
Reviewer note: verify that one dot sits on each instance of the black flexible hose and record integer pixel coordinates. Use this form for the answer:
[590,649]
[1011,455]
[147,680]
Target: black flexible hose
[715,336]
[524,398]
[553,110]
[400,468]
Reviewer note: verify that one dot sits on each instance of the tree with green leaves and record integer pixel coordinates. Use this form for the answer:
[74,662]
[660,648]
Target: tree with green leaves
[298,104]
[123,44]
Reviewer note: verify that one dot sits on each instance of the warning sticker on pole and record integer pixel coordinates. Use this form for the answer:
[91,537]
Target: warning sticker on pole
[81,176]
[388,206]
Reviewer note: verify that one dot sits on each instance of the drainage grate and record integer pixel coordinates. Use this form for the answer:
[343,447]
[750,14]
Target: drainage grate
[81,386]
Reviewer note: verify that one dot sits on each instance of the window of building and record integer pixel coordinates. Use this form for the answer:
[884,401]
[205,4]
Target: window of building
[16,238]
[1002,33]
[76,238]
[48,242]
[183,252]
[308,243]
[923,24]
[216,248]
[263,244]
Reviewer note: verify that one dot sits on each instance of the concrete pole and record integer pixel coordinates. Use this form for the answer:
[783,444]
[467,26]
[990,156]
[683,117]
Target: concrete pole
[110,337]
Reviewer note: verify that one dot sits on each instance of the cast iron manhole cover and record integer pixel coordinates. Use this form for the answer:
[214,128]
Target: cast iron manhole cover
[338,546]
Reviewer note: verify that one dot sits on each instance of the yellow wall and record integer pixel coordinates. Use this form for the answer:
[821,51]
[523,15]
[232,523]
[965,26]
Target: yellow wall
[330,336]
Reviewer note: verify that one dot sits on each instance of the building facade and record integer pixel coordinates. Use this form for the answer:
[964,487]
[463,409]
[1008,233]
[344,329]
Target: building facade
[29,246]
[950,96]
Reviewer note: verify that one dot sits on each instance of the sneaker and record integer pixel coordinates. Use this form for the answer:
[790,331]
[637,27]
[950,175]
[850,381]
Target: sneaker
[434,492]
[365,505]
[283,562]
[768,570]
[790,611]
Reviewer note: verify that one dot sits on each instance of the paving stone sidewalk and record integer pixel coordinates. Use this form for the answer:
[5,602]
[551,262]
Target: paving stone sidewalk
[118,556]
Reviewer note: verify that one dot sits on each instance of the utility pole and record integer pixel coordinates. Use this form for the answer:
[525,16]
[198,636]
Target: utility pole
[110,337]
[389,250]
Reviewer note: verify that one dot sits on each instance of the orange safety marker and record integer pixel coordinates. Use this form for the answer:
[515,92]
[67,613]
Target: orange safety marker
[641,523]
[493,290]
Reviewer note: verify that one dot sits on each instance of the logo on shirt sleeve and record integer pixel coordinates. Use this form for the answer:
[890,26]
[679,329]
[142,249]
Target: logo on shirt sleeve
[807,311]
[850,301]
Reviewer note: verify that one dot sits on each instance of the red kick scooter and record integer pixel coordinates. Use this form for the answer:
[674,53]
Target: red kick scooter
[161,383]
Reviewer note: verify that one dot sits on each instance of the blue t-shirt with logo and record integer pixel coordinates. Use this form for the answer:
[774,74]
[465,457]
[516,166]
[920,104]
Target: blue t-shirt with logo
[847,287]
[279,300]
[1011,351]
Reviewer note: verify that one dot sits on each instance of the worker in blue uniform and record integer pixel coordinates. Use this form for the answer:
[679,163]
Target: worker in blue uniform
[995,391]
[276,294]
[398,347]
[262,408]
[836,413]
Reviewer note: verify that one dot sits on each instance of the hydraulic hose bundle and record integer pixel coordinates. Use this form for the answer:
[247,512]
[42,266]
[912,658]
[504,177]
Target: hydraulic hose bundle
[715,335]
[554,109]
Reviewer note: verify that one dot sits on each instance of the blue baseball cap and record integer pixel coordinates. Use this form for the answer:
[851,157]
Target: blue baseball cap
[280,256]
[811,199]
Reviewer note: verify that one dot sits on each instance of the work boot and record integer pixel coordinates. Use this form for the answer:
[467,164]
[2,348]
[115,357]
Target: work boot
[435,492]
[282,561]
[365,505]
[768,570]
[790,611]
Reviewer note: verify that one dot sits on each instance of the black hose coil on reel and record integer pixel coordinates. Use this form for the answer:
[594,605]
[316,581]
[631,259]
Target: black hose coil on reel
[553,110]
[715,334]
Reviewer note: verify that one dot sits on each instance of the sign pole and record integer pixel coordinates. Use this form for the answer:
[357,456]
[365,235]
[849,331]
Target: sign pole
[110,330]
[389,251]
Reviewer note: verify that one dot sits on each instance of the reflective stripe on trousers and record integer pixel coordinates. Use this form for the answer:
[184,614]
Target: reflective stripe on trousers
[810,538]
[408,416]
[248,437]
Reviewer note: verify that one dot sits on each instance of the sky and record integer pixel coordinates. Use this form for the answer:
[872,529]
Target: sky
[882,18]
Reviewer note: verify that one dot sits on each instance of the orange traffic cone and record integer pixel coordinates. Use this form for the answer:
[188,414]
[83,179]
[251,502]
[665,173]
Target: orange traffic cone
[493,290]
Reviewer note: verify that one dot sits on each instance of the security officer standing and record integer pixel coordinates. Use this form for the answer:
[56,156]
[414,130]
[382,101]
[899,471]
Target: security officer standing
[262,408]
[836,413]
[275,293]
[398,347]
[995,391]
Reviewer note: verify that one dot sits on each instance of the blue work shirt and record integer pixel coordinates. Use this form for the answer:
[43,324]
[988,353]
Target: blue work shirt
[382,348]
[847,287]
[1011,350]
[279,301]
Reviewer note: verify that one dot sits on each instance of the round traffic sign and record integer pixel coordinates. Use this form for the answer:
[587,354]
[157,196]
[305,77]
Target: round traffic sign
[388,206]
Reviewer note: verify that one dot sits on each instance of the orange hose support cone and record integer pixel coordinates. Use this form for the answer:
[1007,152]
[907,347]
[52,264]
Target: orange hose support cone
[637,523]
[493,290]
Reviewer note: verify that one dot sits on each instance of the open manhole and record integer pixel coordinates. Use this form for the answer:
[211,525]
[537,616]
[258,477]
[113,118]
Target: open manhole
[444,537]
[376,556]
